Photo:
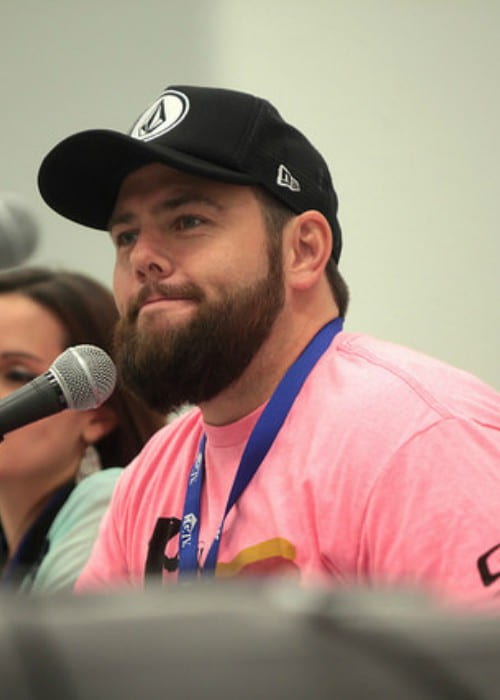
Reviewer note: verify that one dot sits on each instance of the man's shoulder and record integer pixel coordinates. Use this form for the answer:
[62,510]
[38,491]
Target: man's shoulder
[377,353]
[364,366]
[177,439]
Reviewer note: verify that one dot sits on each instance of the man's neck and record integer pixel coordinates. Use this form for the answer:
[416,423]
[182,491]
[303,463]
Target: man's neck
[258,382]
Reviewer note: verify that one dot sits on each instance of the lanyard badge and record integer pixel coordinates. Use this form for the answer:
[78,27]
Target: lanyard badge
[258,445]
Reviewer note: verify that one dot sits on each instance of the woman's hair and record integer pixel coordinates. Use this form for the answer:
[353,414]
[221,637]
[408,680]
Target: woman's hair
[87,312]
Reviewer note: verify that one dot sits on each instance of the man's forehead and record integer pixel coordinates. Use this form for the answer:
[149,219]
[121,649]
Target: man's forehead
[157,174]
[173,184]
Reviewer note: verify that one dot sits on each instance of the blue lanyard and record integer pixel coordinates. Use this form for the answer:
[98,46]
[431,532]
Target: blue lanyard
[261,439]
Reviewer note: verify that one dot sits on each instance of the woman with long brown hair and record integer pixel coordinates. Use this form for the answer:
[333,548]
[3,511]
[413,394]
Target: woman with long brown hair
[57,474]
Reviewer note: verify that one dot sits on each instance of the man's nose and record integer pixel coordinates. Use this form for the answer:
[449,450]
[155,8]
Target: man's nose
[149,257]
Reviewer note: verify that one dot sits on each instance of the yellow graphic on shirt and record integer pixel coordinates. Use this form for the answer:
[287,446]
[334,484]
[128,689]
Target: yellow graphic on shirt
[270,557]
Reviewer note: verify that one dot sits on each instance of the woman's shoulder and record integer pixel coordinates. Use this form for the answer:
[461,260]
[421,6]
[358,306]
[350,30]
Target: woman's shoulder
[90,496]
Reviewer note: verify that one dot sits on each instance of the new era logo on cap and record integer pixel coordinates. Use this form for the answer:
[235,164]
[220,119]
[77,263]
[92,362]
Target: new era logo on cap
[286,179]
[164,114]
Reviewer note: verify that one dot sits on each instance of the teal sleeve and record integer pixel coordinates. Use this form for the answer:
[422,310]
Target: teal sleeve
[73,532]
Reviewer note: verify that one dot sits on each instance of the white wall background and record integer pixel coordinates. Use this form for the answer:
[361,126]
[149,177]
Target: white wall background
[401,96]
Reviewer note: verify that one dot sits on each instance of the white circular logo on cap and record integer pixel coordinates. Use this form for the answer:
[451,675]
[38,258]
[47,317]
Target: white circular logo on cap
[163,115]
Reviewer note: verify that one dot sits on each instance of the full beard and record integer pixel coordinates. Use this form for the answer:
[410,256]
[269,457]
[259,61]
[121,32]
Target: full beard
[192,363]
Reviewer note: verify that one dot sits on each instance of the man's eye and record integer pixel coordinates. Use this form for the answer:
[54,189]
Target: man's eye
[124,238]
[187,221]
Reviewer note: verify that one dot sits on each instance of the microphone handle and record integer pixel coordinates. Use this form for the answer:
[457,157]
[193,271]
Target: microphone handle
[40,398]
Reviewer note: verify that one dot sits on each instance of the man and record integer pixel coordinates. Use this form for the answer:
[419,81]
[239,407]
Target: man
[311,452]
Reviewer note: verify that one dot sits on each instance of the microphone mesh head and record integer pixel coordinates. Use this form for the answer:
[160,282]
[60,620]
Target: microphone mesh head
[86,375]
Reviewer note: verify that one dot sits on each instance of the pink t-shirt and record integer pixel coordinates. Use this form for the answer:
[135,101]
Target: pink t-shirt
[386,470]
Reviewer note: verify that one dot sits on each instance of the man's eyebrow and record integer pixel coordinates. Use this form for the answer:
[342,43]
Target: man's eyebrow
[188,198]
[170,204]
[122,218]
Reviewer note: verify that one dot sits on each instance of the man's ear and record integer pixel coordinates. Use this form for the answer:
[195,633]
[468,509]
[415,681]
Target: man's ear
[309,247]
[100,422]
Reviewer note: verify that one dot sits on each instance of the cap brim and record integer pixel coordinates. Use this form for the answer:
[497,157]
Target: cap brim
[81,177]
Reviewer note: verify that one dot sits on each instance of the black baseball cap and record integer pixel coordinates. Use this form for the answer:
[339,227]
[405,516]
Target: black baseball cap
[220,134]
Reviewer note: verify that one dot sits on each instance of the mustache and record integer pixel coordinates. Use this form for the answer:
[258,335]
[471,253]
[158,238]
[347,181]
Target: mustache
[164,291]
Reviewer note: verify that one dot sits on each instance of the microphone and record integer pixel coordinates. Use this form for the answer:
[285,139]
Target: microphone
[82,377]
[18,230]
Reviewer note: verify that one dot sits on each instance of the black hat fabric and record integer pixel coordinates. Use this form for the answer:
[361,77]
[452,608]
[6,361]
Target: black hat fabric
[220,134]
